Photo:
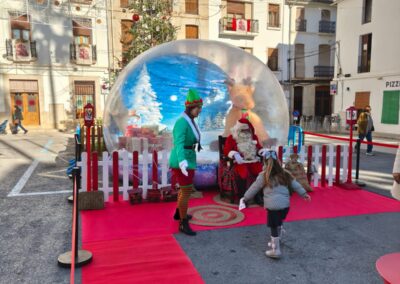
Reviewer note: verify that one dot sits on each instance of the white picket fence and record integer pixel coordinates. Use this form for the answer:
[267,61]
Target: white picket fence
[125,165]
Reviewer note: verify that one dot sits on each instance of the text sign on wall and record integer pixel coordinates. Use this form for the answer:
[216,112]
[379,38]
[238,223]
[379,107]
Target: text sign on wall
[392,84]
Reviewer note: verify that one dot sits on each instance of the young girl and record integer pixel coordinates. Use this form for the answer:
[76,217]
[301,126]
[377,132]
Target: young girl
[275,182]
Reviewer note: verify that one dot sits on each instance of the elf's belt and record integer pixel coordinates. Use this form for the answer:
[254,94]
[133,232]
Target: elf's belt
[193,147]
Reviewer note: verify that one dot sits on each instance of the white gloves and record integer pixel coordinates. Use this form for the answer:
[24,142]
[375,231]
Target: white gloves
[183,165]
[262,152]
[238,158]
[242,204]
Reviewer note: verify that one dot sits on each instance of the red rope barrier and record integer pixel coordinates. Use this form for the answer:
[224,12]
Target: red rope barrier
[348,140]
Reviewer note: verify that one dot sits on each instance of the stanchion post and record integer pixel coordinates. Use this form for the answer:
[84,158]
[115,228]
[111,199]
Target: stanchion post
[358,146]
[75,257]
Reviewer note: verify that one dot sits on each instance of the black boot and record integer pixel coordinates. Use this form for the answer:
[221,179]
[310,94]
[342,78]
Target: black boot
[177,216]
[185,228]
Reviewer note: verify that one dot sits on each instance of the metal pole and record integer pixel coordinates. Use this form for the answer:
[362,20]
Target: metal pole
[349,177]
[358,146]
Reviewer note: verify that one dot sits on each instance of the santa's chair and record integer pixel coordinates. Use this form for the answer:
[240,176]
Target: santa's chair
[231,186]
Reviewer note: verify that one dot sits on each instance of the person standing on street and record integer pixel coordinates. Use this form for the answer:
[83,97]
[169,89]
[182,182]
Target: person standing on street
[396,176]
[17,118]
[365,128]
[182,161]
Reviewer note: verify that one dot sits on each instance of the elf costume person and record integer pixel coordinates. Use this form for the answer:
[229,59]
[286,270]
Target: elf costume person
[182,161]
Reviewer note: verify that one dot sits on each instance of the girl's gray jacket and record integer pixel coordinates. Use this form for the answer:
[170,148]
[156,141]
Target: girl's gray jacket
[275,198]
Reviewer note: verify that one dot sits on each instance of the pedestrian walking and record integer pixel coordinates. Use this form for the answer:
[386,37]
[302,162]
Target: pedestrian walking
[365,127]
[277,185]
[396,176]
[18,118]
[186,138]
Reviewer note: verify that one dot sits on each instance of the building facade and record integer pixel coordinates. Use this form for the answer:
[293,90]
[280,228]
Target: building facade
[367,66]
[54,60]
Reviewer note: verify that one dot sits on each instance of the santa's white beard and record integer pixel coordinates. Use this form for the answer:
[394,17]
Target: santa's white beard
[246,146]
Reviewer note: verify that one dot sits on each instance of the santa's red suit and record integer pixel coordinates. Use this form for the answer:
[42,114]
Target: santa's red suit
[247,148]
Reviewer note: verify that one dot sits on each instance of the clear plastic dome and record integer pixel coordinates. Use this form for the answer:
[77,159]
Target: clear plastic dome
[150,92]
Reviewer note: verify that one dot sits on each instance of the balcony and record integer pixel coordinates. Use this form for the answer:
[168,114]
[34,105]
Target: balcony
[239,27]
[323,71]
[323,1]
[327,27]
[301,25]
[21,51]
[83,54]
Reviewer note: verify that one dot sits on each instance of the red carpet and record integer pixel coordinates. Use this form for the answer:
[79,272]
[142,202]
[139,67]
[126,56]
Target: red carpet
[155,259]
[115,233]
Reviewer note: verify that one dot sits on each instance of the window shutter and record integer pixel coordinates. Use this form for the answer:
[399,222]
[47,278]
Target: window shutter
[33,49]
[192,31]
[390,108]
[9,48]
[236,8]
[362,100]
[94,53]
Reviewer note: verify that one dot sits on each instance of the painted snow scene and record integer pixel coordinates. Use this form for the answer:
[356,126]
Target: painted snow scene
[150,93]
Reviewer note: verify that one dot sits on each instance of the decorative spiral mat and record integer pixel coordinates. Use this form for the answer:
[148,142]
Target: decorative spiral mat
[217,199]
[215,215]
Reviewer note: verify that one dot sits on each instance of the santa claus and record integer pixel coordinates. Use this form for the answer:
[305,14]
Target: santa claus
[246,151]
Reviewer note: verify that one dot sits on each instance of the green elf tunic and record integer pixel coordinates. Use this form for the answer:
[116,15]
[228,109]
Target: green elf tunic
[185,135]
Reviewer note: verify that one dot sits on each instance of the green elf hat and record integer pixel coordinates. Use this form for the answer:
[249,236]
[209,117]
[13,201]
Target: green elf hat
[193,99]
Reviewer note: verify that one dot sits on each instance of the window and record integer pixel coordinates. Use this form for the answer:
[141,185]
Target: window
[390,108]
[192,31]
[82,31]
[236,10]
[247,49]
[126,35]
[124,3]
[273,59]
[192,7]
[362,100]
[273,16]
[84,94]
[367,11]
[301,23]
[20,27]
[364,62]
[299,63]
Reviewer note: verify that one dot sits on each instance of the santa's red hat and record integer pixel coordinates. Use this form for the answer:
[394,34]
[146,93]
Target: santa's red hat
[242,124]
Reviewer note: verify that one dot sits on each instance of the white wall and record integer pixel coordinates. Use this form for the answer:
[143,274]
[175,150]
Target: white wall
[385,54]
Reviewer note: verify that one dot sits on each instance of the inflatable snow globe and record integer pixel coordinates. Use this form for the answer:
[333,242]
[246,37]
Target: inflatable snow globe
[149,96]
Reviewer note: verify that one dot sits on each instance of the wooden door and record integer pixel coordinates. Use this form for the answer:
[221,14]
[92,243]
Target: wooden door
[29,104]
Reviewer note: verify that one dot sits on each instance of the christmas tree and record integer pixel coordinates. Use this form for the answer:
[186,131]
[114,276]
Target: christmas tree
[144,100]
[151,26]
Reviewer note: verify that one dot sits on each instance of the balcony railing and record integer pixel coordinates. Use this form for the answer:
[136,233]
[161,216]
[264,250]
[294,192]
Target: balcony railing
[83,54]
[323,71]
[238,26]
[327,27]
[20,50]
[301,25]
[323,1]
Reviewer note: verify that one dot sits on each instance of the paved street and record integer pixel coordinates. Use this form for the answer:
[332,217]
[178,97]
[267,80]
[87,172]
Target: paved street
[36,222]
[35,215]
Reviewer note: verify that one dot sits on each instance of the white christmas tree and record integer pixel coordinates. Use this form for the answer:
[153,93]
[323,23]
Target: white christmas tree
[219,120]
[207,123]
[144,100]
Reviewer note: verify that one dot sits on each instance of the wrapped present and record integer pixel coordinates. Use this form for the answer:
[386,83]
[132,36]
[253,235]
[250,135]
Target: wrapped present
[135,195]
[169,194]
[153,195]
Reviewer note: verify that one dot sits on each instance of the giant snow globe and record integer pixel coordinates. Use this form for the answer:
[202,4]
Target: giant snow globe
[149,96]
